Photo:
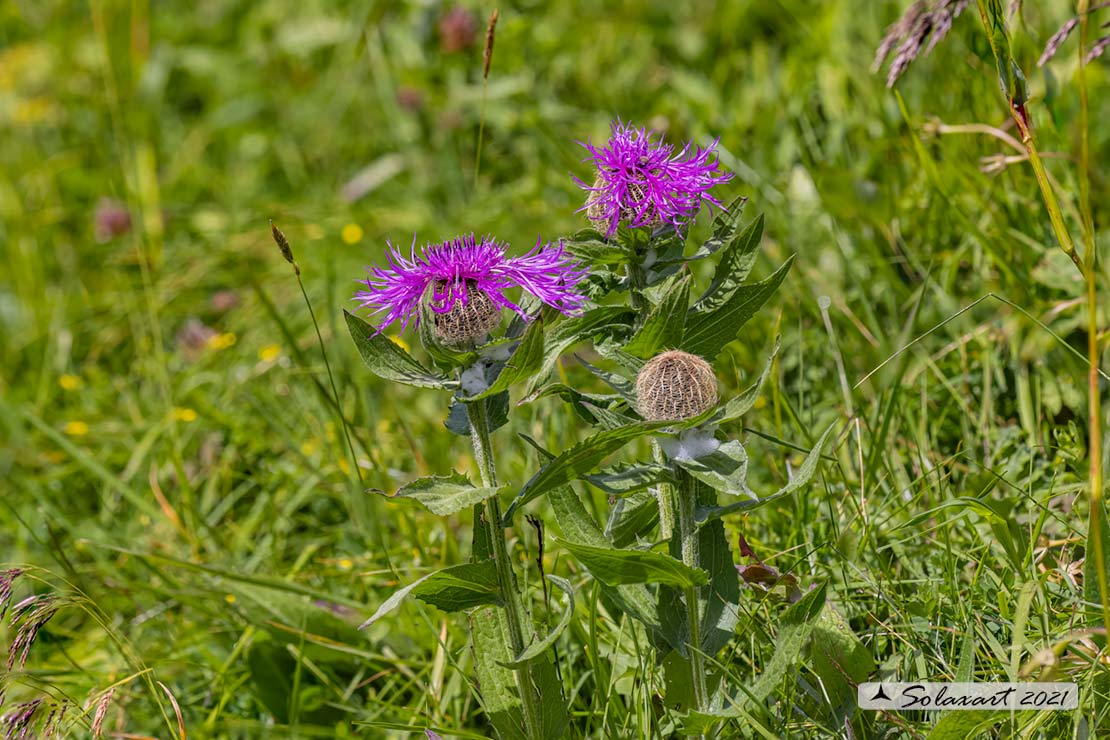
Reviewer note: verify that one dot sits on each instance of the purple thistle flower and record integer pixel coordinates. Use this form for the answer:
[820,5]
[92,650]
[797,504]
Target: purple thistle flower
[645,183]
[453,268]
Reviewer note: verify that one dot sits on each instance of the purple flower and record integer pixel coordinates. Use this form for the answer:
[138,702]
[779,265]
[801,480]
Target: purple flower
[645,183]
[455,267]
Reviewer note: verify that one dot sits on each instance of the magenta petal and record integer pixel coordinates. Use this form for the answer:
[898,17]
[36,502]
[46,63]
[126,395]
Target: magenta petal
[394,292]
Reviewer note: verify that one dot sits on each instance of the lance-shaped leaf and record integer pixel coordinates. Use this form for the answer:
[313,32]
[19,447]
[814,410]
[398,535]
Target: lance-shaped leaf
[623,479]
[451,589]
[539,646]
[524,362]
[624,567]
[802,476]
[664,326]
[733,267]
[742,404]
[726,226]
[708,331]
[622,385]
[578,526]
[500,695]
[592,323]
[580,459]
[722,595]
[446,494]
[725,469]
[637,518]
[387,360]
[582,404]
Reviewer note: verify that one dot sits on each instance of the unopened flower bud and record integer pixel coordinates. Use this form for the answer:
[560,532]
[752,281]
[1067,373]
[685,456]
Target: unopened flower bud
[469,318]
[675,385]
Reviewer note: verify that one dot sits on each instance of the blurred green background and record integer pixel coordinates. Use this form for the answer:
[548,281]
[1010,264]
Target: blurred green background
[170,461]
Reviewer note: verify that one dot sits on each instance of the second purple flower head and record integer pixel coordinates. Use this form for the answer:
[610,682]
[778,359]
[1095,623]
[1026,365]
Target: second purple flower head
[644,183]
[468,280]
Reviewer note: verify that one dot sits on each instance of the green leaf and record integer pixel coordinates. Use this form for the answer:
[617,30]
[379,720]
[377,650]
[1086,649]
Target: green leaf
[578,526]
[733,267]
[580,328]
[387,360]
[1091,592]
[708,331]
[500,697]
[794,633]
[721,595]
[623,479]
[725,225]
[539,646]
[461,587]
[583,404]
[742,404]
[725,469]
[965,725]
[622,385]
[580,460]
[666,323]
[622,567]
[639,515]
[525,362]
[802,477]
[838,657]
[451,589]
[446,494]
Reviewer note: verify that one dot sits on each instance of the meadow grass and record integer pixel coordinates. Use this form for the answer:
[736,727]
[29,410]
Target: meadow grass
[174,464]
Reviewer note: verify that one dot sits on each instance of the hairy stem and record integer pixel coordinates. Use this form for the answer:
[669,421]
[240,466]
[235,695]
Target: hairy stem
[514,611]
[688,535]
[662,493]
[1094,399]
[637,281]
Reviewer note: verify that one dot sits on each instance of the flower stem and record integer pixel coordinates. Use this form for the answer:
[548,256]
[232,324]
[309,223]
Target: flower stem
[514,611]
[1094,399]
[688,535]
[637,281]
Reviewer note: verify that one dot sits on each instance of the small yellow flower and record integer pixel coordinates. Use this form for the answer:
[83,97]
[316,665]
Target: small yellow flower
[760,402]
[76,428]
[400,342]
[344,465]
[346,564]
[229,598]
[221,341]
[70,382]
[269,353]
[351,234]
[184,414]
[309,448]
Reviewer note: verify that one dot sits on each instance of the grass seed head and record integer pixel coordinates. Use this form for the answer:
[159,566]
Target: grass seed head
[675,385]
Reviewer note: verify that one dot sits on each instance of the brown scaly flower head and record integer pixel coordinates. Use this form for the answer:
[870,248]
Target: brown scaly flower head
[675,385]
